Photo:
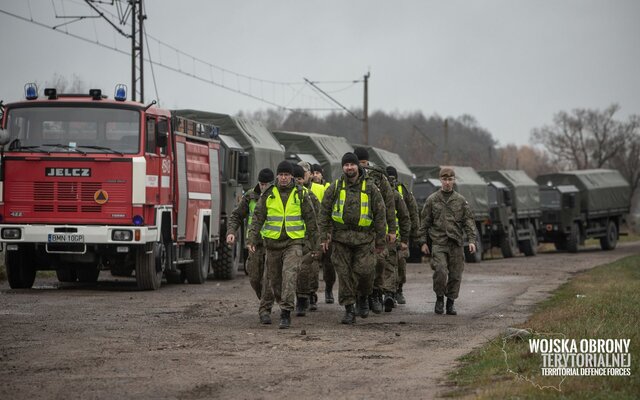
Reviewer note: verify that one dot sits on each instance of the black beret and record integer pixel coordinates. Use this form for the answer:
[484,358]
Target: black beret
[392,171]
[285,167]
[265,175]
[349,158]
[361,153]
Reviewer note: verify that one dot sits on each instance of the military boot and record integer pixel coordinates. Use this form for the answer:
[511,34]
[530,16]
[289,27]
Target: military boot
[328,294]
[389,301]
[375,303]
[349,315]
[439,305]
[400,297]
[363,306]
[451,310]
[265,319]
[301,306]
[285,319]
[313,302]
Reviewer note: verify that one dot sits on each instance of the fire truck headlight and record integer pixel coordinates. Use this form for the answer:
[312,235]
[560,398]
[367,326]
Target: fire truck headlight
[11,233]
[138,220]
[122,235]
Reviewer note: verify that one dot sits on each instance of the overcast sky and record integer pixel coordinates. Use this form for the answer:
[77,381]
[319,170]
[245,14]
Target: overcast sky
[510,64]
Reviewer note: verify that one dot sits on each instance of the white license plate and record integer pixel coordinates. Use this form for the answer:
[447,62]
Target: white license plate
[66,238]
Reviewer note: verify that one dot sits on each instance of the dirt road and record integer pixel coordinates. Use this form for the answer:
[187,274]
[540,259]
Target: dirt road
[204,341]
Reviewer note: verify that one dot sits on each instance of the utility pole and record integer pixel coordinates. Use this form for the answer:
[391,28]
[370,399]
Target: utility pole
[365,117]
[137,55]
[446,142]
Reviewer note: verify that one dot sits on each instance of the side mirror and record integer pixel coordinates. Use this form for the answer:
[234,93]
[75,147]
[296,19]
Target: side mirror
[162,133]
[243,168]
[4,137]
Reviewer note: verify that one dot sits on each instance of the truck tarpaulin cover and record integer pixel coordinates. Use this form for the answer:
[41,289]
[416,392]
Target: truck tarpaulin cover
[255,138]
[525,191]
[327,149]
[600,189]
[385,158]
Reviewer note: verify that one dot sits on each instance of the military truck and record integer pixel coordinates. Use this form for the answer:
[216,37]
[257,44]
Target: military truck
[577,205]
[514,207]
[469,184]
[259,150]
[318,148]
[385,158]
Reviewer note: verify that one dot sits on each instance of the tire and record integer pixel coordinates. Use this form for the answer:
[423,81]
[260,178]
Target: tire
[574,239]
[87,273]
[148,267]
[477,256]
[509,242]
[197,271]
[610,241]
[530,247]
[227,266]
[21,269]
[66,275]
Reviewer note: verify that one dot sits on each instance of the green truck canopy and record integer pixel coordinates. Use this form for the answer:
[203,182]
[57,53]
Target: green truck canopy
[525,191]
[264,150]
[601,190]
[468,183]
[385,158]
[327,149]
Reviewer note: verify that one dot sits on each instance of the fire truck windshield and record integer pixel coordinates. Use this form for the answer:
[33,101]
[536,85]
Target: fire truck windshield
[63,129]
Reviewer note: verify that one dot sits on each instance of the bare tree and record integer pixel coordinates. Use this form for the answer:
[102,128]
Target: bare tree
[63,85]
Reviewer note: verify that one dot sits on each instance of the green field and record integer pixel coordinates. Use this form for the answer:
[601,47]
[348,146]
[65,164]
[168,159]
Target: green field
[603,303]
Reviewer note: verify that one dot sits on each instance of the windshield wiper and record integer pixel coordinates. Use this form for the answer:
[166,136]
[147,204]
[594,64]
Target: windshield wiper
[66,147]
[103,148]
[15,146]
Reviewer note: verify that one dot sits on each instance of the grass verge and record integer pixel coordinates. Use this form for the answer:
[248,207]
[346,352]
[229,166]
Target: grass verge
[603,303]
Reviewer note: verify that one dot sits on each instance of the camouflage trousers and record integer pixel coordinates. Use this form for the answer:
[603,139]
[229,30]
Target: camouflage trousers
[258,279]
[328,272]
[282,271]
[307,283]
[402,267]
[387,269]
[355,269]
[447,263]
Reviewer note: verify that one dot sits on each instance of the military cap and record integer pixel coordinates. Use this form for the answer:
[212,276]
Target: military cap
[317,168]
[349,158]
[361,153]
[447,172]
[265,175]
[285,167]
[305,166]
[392,171]
[298,171]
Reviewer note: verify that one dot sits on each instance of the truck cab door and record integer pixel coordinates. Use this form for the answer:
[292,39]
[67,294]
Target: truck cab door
[158,161]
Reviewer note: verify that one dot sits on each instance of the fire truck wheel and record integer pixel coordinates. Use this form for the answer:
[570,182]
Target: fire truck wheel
[21,270]
[66,275]
[148,276]
[198,270]
[226,266]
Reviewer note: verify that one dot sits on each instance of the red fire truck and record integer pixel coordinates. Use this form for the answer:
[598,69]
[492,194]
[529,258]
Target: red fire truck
[89,184]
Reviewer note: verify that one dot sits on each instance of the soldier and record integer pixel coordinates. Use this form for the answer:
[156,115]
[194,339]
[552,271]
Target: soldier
[255,261]
[328,272]
[378,175]
[283,216]
[307,282]
[412,206]
[446,214]
[352,219]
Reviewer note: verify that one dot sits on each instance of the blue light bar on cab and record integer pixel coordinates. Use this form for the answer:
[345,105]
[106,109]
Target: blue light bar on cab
[30,91]
[120,92]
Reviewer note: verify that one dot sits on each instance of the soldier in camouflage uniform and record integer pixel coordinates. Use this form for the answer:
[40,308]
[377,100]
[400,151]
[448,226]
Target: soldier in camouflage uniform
[412,206]
[283,217]
[328,272]
[379,177]
[352,219]
[446,214]
[255,261]
[307,284]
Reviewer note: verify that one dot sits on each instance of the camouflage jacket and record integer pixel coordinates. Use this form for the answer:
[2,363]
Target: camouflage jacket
[379,177]
[308,215]
[242,210]
[404,218]
[350,232]
[412,206]
[445,220]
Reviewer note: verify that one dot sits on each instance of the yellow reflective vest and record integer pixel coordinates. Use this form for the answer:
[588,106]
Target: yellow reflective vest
[338,207]
[318,190]
[277,215]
